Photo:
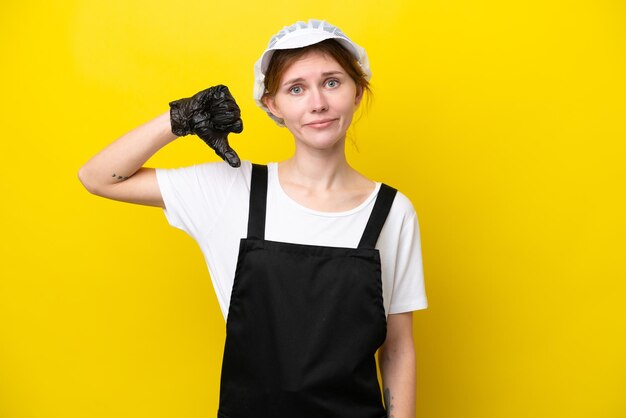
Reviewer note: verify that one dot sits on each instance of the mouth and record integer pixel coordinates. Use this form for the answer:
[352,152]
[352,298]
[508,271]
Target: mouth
[322,123]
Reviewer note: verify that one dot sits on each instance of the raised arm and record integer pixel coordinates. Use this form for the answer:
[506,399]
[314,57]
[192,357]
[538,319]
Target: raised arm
[117,171]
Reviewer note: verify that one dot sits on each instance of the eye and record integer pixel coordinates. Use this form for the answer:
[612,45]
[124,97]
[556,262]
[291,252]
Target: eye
[332,83]
[295,90]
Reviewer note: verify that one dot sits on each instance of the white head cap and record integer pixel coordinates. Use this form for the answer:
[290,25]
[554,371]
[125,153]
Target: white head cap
[299,35]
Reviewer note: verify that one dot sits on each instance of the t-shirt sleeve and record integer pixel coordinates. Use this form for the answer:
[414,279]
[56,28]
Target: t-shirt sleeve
[408,286]
[194,196]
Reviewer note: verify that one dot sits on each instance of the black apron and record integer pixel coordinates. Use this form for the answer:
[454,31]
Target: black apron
[304,323]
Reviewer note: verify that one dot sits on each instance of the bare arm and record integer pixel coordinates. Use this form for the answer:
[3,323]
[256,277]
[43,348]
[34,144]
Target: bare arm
[116,172]
[396,358]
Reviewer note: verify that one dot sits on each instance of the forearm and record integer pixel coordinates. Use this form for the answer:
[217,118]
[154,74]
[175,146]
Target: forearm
[397,366]
[125,156]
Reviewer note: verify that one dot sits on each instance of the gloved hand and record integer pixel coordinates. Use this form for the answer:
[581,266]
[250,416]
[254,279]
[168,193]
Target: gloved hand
[211,114]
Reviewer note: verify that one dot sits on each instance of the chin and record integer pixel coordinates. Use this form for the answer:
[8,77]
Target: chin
[322,141]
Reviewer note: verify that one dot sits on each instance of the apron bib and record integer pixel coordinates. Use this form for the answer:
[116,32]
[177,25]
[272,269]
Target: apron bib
[304,323]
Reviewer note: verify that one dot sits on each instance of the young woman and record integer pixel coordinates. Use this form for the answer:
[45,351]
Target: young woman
[316,267]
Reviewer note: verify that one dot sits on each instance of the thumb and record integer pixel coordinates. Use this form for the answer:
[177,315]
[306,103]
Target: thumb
[222,148]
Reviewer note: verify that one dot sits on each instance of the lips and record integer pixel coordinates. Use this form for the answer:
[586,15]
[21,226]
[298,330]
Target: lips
[322,123]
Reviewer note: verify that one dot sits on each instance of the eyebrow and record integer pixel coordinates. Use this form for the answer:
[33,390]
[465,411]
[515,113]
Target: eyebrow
[300,79]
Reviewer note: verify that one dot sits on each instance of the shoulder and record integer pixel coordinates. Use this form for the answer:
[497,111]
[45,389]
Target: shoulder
[223,169]
[402,206]
[401,222]
[219,172]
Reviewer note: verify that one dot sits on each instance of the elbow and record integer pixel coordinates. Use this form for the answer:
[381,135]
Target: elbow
[87,181]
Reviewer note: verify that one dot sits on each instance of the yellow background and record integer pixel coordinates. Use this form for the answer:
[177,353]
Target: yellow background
[504,123]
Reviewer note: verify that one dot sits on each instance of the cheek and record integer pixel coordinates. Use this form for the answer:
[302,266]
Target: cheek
[347,106]
[292,108]
[290,116]
[288,113]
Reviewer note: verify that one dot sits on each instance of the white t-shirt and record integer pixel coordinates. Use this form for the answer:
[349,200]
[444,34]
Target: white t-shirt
[210,202]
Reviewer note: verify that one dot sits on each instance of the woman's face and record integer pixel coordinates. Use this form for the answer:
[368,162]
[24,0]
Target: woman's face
[316,99]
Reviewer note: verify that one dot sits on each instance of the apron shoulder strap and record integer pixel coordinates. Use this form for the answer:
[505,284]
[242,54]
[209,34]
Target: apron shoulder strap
[258,201]
[377,219]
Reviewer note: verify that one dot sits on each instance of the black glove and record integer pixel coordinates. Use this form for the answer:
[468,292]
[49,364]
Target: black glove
[211,114]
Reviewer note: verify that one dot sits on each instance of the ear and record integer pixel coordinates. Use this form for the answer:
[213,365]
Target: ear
[270,103]
[359,95]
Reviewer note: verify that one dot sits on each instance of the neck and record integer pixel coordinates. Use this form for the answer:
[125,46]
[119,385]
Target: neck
[317,169]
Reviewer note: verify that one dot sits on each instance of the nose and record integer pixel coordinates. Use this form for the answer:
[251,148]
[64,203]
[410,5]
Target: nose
[319,102]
